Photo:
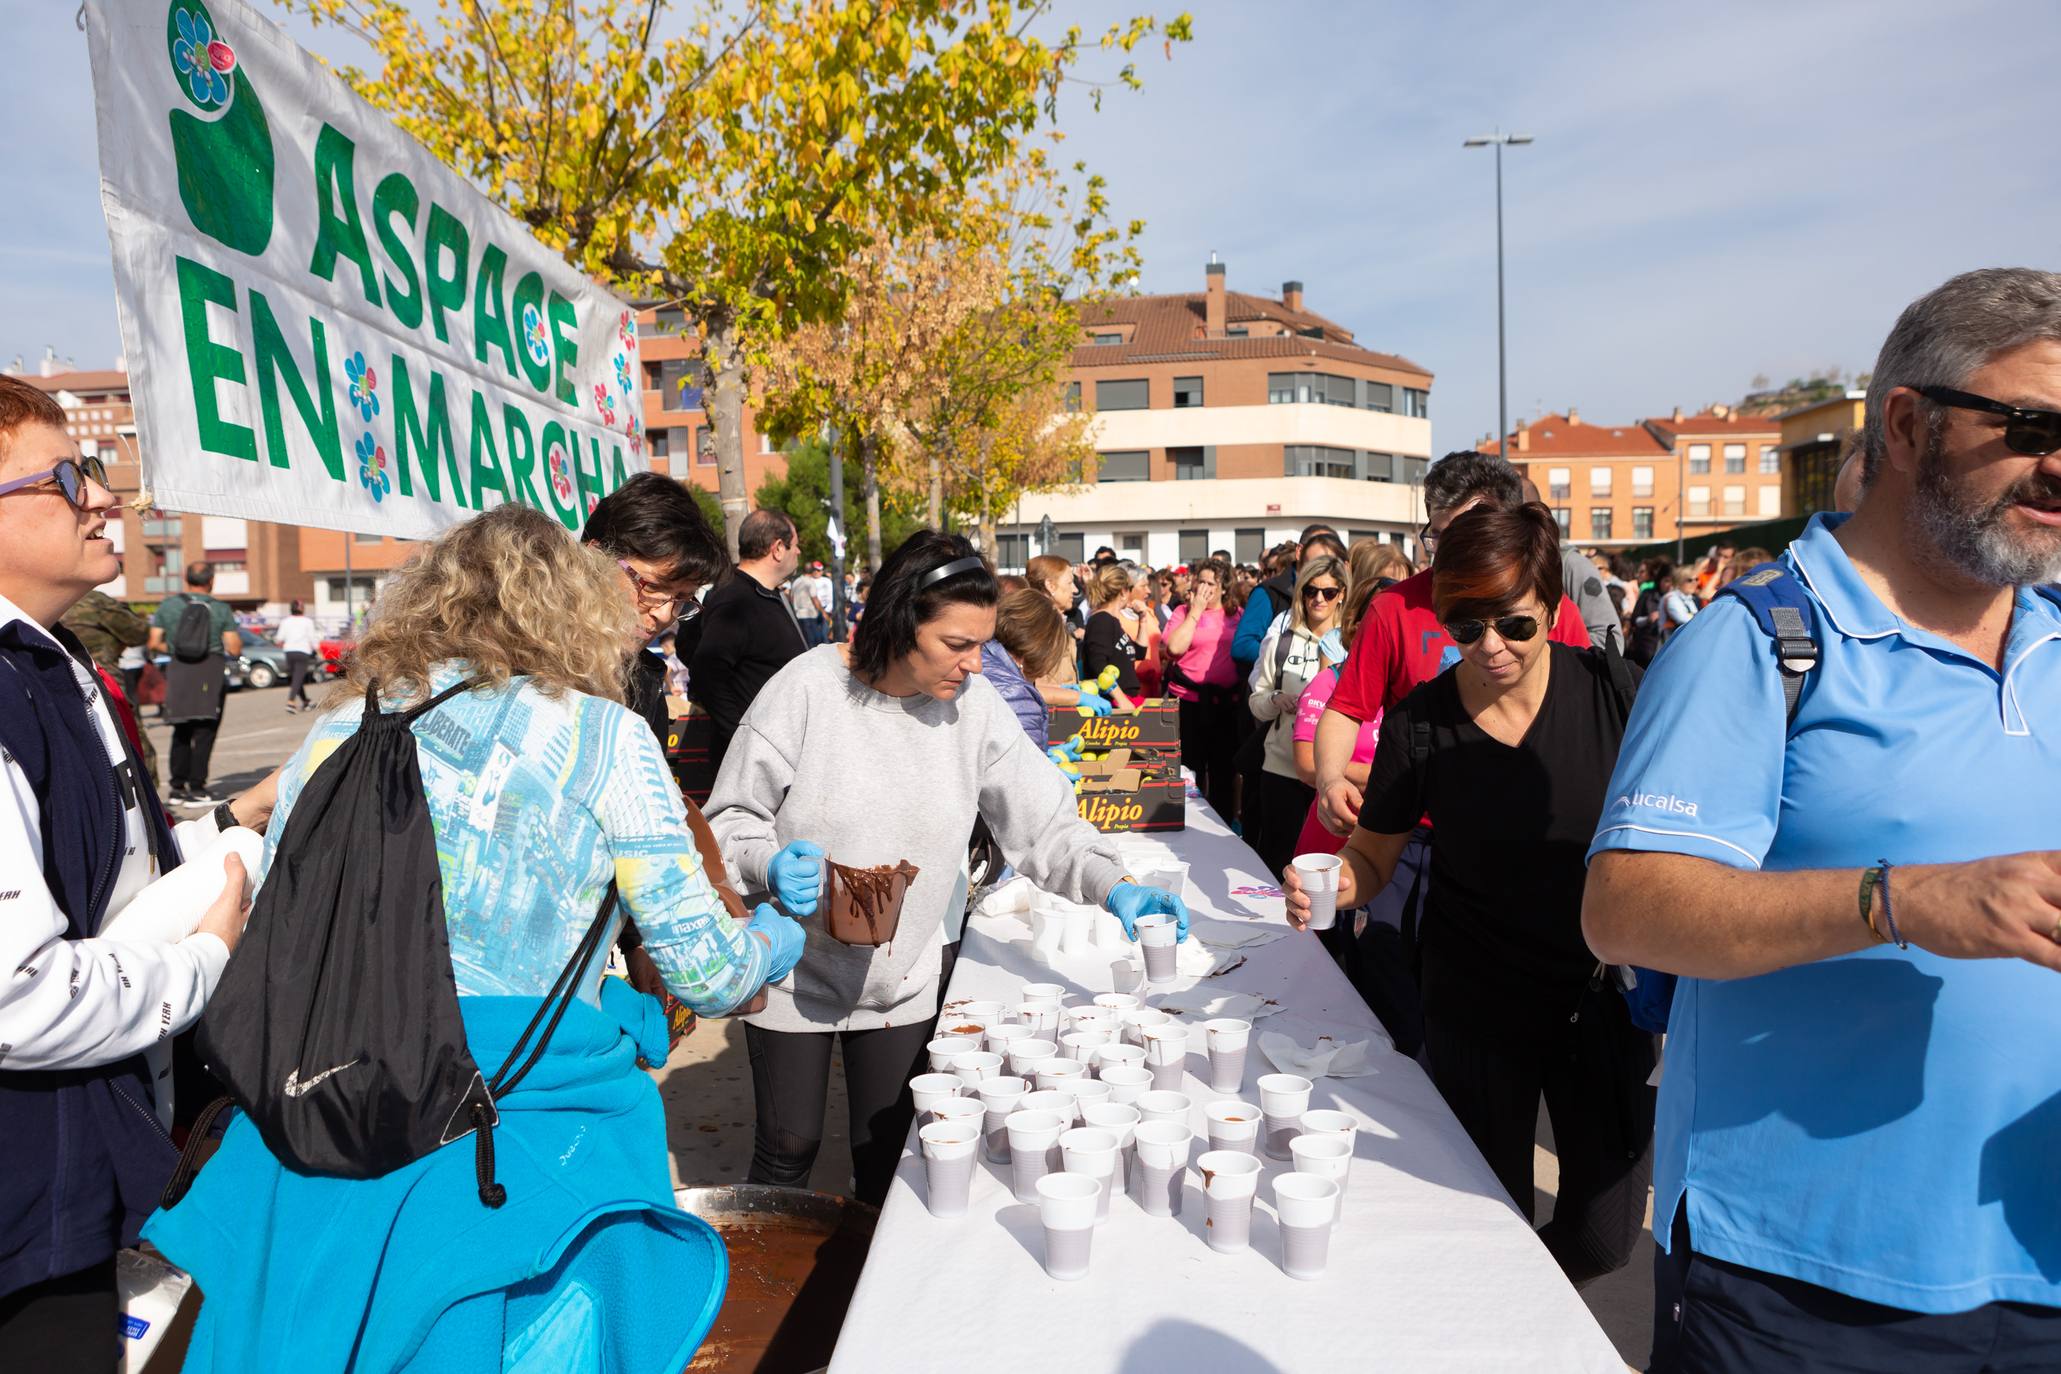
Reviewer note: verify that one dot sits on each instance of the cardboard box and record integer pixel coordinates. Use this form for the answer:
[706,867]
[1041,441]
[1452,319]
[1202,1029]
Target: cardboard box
[689,742]
[1133,789]
[1156,724]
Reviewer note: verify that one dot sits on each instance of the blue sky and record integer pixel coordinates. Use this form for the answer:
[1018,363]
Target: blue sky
[1717,190]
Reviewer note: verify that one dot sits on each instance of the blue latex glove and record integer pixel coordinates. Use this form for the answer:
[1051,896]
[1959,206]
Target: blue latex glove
[796,877]
[1128,901]
[785,936]
[1095,703]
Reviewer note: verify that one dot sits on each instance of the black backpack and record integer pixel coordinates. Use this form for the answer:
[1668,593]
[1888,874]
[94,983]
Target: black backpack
[336,1025]
[193,639]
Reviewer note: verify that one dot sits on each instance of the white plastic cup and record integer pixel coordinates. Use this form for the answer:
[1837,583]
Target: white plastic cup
[1076,928]
[1000,1097]
[1159,1156]
[1118,1002]
[1115,1055]
[1166,1053]
[1229,1038]
[1002,1034]
[1135,1022]
[960,1109]
[1327,1156]
[970,1069]
[946,1048]
[984,1011]
[958,1023]
[1109,933]
[1162,1105]
[1060,1104]
[1033,1150]
[1306,1207]
[1319,875]
[1091,1151]
[1284,1097]
[948,1152]
[1324,1121]
[1230,1178]
[1057,1073]
[1066,1210]
[1089,1019]
[1232,1125]
[1120,1121]
[1127,1082]
[1081,1044]
[1043,994]
[1041,1017]
[1158,936]
[1025,1055]
[929,1089]
[1087,1092]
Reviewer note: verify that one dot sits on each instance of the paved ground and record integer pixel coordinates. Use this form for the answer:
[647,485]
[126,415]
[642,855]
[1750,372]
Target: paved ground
[706,1084]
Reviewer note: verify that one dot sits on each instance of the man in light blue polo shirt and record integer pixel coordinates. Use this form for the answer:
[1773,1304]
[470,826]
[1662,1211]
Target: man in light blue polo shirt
[1858,1153]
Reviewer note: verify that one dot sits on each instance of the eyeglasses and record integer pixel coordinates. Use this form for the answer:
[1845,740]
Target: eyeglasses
[1322,593]
[71,476]
[1514,628]
[2034,433]
[653,597]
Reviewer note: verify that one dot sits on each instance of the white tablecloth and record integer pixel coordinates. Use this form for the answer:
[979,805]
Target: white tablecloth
[1431,1267]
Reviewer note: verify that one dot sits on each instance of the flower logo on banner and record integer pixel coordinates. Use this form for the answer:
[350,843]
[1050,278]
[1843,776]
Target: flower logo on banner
[364,383]
[204,60]
[372,473]
[533,337]
[592,501]
[622,377]
[635,433]
[601,403]
[626,330]
[559,464]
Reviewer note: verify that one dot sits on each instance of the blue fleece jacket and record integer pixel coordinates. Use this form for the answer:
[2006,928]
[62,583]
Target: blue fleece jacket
[588,1266]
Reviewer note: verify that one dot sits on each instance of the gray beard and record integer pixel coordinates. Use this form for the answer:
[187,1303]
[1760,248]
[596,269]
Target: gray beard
[1973,537]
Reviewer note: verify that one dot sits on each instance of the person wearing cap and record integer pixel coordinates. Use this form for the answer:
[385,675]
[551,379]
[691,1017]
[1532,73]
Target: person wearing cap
[868,755]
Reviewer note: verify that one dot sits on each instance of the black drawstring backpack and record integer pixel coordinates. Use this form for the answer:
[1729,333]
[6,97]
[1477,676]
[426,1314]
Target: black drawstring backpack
[336,1024]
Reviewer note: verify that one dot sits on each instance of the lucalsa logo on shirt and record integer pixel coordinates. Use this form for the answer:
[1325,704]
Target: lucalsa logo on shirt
[1659,801]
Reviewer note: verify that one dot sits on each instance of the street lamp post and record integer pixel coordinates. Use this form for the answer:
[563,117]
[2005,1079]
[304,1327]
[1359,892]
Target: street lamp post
[1499,140]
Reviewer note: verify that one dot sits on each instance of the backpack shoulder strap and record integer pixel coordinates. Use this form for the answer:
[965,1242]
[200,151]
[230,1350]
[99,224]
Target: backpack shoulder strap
[1621,682]
[1782,609]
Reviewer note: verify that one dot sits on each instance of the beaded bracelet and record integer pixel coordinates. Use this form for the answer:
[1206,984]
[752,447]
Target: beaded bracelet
[1888,914]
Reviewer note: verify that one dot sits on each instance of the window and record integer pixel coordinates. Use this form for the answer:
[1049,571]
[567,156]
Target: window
[1316,460]
[1770,502]
[356,538]
[661,442]
[1735,500]
[680,464]
[1699,501]
[1563,517]
[654,376]
[705,447]
[669,319]
[1699,457]
[1187,393]
[1413,470]
[1378,467]
[1416,403]
[1012,550]
[1193,464]
[1248,544]
[1599,480]
[1380,397]
[1642,522]
[1735,457]
[1128,465]
[1194,546]
[1109,338]
[1236,331]
[1129,544]
[678,385]
[1073,396]
[1307,388]
[1599,522]
[1072,547]
[1560,483]
[1133,394]
[1770,460]
[1642,481]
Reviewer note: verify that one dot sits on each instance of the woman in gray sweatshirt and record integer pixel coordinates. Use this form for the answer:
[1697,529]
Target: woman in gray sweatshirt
[870,755]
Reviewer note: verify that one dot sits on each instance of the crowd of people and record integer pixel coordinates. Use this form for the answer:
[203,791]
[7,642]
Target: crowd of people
[1804,821]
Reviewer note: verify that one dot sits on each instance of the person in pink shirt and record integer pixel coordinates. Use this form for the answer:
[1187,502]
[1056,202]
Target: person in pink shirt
[1315,839]
[1196,658]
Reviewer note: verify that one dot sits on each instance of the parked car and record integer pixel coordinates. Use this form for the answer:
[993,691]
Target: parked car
[263,663]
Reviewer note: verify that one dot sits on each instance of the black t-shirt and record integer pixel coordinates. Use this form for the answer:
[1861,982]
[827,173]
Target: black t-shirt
[1510,825]
[1106,643]
[747,635]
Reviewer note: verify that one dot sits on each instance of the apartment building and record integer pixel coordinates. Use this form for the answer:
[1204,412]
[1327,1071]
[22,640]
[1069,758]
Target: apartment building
[1814,442]
[1224,420]
[677,437]
[1616,486]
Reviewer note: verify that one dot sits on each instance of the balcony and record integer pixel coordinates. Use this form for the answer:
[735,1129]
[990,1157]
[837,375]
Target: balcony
[1313,424]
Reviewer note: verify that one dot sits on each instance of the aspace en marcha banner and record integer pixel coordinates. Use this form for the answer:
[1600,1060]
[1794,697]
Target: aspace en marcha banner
[324,324]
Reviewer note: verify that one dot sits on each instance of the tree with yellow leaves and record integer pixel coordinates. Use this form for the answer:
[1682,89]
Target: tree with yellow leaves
[737,168]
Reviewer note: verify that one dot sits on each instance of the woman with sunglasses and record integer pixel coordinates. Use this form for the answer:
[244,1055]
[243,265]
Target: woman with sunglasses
[1289,658]
[1509,752]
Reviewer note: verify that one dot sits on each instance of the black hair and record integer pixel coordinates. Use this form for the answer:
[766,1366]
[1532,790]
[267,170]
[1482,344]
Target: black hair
[200,574]
[1464,473]
[761,530]
[657,519]
[1324,540]
[1310,530]
[901,601]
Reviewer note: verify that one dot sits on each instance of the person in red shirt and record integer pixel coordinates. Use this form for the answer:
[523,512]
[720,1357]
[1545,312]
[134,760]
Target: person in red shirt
[1401,643]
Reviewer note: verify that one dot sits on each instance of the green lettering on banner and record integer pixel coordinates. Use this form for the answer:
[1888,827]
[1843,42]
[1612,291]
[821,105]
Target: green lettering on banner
[409,427]
[208,362]
[274,363]
[339,235]
[529,295]
[446,240]
[396,194]
[485,475]
[589,476]
[554,434]
[489,320]
[616,475]
[522,456]
[565,346]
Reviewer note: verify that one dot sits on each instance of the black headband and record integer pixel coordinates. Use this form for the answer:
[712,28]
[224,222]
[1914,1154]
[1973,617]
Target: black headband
[951,569]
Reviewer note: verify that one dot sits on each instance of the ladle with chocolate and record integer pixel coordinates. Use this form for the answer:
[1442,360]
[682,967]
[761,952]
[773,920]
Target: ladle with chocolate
[866,903]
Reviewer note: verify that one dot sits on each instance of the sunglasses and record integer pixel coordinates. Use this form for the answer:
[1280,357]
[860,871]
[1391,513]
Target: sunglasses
[1514,628]
[1321,593]
[2034,433]
[71,477]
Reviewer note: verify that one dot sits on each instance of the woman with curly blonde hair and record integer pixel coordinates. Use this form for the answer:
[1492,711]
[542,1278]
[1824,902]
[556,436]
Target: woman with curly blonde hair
[542,790]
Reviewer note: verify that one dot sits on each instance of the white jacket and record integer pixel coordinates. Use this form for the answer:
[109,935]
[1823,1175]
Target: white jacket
[1274,672]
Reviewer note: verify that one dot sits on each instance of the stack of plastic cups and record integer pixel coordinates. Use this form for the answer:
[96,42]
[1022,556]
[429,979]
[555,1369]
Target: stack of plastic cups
[1000,1097]
[1228,1039]
[1232,1125]
[1033,1150]
[1229,1180]
[1087,1150]
[1284,1097]
[1161,1154]
[1066,1208]
[1306,1207]
[948,1151]
[1166,1051]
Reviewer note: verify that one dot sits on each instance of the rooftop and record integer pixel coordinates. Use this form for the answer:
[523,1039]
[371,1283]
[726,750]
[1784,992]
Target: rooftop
[1716,421]
[1555,435]
[1175,328]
